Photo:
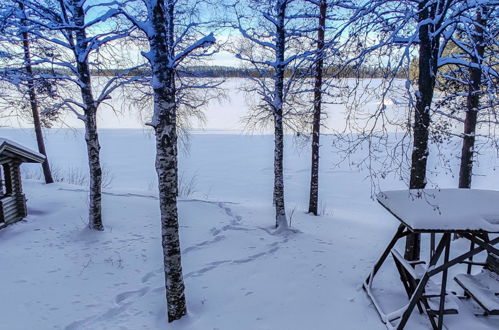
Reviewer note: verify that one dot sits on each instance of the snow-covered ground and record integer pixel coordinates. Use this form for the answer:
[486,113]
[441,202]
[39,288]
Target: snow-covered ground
[57,274]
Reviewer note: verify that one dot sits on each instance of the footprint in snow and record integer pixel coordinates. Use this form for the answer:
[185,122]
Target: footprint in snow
[148,276]
[122,297]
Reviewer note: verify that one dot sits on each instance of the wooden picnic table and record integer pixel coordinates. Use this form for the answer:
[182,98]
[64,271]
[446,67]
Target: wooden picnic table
[473,214]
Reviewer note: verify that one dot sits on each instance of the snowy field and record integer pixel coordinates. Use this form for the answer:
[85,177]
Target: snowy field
[57,274]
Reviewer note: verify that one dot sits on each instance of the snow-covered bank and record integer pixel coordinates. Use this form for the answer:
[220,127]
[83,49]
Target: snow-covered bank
[238,275]
[56,274]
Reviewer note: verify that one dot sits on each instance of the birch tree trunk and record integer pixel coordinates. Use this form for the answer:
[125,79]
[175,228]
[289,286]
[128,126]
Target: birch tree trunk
[165,128]
[472,103]
[90,119]
[314,176]
[166,169]
[428,56]
[281,221]
[93,151]
[33,101]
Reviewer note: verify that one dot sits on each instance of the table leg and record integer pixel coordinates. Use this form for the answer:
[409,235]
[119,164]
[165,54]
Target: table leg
[379,263]
[444,282]
[484,242]
[422,283]
[432,244]
[368,282]
[481,247]
[470,259]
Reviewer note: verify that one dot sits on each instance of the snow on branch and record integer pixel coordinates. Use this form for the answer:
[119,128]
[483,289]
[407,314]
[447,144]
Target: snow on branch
[204,42]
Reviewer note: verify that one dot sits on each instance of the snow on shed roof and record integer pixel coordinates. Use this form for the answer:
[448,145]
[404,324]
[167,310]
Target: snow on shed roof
[10,148]
[429,210]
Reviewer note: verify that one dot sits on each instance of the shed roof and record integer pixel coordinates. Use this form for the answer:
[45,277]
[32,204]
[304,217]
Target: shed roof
[11,149]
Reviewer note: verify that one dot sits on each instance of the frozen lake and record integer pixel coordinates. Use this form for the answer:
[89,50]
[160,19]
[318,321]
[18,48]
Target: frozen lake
[227,114]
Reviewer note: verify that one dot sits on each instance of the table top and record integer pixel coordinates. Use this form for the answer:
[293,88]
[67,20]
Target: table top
[444,210]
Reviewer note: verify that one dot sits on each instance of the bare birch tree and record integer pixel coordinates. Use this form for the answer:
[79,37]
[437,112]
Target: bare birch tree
[32,97]
[333,19]
[271,33]
[402,29]
[472,78]
[175,32]
[78,31]
[316,122]
[19,32]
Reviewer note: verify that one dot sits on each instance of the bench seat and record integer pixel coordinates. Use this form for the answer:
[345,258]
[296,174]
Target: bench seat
[483,288]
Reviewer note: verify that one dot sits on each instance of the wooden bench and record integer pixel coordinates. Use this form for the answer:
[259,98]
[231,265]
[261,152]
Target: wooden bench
[415,270]
[482,288]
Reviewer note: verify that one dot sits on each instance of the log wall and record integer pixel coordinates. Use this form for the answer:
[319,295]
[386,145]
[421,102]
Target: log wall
[13,202]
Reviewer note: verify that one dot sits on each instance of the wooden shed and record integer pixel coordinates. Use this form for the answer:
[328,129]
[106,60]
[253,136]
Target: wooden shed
[12,199]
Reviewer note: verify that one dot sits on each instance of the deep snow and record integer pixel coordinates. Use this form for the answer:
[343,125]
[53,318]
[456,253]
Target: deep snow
[56,274]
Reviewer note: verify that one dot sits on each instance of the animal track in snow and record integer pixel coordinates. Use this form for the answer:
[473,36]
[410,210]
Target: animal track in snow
[120,298]
[203,244]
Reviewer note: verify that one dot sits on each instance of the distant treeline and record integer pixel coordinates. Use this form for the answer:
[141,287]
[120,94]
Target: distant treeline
[233,72]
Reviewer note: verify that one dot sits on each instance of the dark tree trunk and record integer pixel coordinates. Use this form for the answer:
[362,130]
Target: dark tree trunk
[314,176]
[90,120]
[472,103]
[470,121]
[428,57]
[165,128]
[467,151]
[280,210]
[34,103]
